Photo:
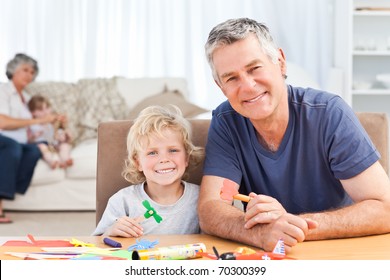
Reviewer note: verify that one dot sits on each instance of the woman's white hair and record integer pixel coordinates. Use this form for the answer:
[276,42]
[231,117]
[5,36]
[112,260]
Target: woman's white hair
[18,60]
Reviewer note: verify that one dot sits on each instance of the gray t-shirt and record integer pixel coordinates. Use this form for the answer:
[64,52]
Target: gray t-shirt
[178,218]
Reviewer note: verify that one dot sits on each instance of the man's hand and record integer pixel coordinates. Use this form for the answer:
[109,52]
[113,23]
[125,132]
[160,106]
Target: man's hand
[262,209]
[291,228]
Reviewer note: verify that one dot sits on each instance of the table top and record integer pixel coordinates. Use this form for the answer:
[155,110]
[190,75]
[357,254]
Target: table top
[374,247]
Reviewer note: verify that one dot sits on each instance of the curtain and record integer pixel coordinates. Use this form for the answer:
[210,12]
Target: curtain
[75,39]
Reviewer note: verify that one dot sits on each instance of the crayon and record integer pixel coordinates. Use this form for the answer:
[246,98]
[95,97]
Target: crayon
[112,243]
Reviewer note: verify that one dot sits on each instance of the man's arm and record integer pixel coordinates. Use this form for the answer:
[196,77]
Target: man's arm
[370,214]
[220,218]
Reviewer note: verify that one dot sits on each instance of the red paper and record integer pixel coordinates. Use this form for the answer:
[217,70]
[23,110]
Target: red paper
[38,243]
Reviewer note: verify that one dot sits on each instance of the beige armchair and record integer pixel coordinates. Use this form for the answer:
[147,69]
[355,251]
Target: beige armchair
[112,152]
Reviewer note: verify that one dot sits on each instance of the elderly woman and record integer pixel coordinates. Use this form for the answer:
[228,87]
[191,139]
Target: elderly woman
[18,157]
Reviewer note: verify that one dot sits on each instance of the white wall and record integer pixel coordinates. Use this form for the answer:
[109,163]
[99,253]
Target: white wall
[75,39]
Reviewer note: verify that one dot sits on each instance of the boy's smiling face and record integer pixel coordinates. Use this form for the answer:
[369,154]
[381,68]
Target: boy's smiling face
[163,159]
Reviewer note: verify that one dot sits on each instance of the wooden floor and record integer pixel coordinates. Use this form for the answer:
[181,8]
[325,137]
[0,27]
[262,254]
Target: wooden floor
[49,224]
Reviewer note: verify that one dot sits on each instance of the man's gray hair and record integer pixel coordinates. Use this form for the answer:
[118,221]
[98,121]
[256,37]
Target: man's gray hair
[233,30]
[18,60]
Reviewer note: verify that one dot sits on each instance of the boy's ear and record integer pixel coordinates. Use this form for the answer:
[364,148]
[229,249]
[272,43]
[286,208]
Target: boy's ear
[139,167]
[187,161]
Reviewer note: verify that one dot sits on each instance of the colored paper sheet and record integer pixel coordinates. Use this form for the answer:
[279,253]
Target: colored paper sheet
[39,256]
[39,243]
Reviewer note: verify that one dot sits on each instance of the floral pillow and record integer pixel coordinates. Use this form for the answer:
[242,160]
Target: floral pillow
[99,101]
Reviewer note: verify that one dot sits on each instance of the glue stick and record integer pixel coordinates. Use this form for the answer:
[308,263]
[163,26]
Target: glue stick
[177,252]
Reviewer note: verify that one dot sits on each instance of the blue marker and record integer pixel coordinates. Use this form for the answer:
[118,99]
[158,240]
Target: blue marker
[111,242]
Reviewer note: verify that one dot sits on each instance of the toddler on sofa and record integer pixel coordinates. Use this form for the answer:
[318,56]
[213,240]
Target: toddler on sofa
[54,139]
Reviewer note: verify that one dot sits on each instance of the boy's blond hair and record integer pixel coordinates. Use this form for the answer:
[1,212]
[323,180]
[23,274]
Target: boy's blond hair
[152,121]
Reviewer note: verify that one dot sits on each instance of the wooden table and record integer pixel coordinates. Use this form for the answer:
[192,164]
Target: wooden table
[363,248]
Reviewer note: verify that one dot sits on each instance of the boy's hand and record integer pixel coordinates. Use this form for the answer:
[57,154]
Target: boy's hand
[125,227]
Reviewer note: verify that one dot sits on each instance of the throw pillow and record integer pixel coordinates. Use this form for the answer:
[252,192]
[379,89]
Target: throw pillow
[99,101]
[165,98]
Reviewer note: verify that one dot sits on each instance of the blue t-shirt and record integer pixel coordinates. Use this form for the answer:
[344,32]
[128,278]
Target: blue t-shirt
[324,142]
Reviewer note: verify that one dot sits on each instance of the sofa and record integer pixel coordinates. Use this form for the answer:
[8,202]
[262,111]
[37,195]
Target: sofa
[87,103]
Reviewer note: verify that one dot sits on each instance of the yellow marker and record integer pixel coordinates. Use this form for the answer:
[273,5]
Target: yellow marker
[177,252]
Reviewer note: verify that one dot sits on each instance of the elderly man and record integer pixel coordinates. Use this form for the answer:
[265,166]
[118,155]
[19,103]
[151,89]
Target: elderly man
[300,154]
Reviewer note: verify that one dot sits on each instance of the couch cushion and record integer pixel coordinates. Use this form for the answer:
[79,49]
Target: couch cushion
[84,166]
[167,97]
[84,161]
[44,175]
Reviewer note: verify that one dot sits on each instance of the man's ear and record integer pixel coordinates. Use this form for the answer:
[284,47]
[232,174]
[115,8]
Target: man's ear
[282,62]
